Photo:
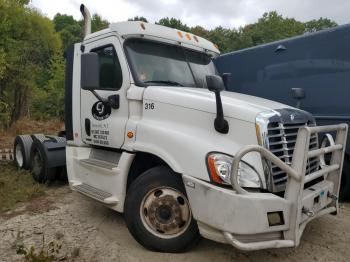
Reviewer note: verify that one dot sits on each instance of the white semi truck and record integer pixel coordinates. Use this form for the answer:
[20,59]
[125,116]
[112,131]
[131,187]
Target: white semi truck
[152,133]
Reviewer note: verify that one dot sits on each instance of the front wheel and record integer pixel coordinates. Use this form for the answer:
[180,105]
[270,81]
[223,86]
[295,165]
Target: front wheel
[157,212]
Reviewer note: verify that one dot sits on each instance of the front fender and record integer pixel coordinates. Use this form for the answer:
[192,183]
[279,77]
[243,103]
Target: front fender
[183,137]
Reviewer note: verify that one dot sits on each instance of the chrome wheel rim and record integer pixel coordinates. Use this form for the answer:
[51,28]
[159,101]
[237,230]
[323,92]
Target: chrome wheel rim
[19,155]
[165,212]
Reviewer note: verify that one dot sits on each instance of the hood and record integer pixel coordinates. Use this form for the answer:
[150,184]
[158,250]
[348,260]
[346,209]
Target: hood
[235,105]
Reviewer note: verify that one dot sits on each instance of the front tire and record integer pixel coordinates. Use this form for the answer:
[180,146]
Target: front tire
[157,212]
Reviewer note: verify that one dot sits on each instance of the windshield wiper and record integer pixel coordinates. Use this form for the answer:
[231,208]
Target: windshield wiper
[168,82]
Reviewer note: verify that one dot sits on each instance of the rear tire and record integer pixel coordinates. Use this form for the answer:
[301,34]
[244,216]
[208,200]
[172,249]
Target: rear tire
[38,167]
[344,194]
[21,151]
[157,212]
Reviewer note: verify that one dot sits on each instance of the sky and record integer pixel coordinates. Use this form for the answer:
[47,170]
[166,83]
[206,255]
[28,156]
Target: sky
[206,13]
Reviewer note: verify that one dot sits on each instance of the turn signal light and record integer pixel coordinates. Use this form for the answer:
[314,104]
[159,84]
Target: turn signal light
[258,134]
[130,134]
[213,172]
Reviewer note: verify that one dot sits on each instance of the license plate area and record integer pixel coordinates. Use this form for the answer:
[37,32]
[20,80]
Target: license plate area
[315,198]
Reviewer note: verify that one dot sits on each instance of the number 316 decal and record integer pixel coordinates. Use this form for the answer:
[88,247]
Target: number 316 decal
[149,106]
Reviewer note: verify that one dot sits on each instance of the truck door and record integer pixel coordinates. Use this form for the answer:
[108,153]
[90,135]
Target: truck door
[102,125]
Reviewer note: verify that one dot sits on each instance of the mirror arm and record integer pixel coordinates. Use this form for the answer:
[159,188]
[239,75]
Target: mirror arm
[112,101]
[99,97]
[219,109]
[220,123]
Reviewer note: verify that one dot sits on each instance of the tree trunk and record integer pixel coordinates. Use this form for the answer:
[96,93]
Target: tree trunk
[20,104]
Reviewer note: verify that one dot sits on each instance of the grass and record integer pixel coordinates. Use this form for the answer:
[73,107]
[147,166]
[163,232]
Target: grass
[16,186]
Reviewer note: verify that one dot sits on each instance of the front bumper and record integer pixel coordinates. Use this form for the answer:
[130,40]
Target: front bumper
[242,220]
[248,220]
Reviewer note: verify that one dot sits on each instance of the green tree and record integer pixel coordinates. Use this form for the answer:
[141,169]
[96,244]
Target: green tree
[173,23]
[49,101]
[200,31]
[97,23]
[271,27]
[69,29]
[138,18]
[2,63]
[320,24]
[226,39]
[28,41]
[63,21]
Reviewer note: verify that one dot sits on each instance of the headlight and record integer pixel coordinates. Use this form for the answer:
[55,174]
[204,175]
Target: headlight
[219,167]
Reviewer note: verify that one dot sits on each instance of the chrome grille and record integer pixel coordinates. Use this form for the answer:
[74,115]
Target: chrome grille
[281,140]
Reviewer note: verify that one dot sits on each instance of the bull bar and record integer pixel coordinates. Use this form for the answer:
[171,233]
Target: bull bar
[296,180]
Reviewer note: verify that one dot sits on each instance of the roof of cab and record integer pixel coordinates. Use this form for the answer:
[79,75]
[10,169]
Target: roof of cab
[142,28]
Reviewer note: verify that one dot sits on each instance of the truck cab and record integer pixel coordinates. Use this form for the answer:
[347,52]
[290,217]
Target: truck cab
[152,133]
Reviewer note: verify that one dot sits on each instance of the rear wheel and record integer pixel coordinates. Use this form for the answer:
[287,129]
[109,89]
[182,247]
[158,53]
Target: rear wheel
[157,212]
[37,167]
[21,151]
[39,170]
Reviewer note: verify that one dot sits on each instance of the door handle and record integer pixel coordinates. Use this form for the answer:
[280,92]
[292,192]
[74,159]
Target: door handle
[87,126]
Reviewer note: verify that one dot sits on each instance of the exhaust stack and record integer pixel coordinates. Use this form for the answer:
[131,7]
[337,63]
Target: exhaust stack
[87,19]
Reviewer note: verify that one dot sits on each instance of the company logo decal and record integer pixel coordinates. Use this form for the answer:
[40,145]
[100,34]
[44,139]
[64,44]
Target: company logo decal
[292,117]
[100,111]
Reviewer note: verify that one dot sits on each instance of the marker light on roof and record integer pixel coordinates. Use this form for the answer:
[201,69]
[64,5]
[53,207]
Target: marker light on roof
[195,38]
[143,26]
[179,33]
[188,36]
[216,46]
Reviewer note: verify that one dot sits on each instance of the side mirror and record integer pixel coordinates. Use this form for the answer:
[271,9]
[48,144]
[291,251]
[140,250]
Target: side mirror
[298,94]
[90,78]
[226,78]
[216,85]
[90,71]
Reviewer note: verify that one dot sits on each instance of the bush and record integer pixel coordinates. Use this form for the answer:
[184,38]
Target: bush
[46,253]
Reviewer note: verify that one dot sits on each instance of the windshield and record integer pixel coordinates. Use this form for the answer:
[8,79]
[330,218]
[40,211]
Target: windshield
[154,63]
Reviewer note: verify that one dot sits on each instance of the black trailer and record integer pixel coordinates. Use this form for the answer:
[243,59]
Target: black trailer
[318,63]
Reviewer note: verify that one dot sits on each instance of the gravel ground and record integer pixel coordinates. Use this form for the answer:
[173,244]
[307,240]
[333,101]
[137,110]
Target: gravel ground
[89,231]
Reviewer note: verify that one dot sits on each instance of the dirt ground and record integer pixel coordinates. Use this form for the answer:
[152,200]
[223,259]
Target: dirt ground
[89,231]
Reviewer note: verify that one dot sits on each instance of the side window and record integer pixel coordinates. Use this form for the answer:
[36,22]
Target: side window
[111,77]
